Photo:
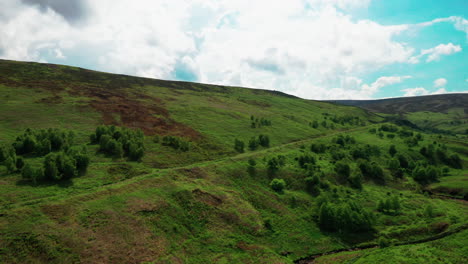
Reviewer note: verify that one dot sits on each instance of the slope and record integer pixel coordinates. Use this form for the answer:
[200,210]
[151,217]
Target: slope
[208,203]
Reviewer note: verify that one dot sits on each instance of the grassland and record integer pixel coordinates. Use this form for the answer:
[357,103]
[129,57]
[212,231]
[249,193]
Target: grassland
[203,205]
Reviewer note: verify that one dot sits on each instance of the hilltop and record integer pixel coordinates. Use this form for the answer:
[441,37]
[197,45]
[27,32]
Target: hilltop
[106,168]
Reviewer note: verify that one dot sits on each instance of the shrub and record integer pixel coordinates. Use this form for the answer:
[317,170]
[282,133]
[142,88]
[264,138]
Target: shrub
[278,185]
[239,146]
[392,150]
[253,143]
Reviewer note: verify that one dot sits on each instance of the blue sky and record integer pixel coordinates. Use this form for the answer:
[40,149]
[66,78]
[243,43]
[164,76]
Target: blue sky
[317,49]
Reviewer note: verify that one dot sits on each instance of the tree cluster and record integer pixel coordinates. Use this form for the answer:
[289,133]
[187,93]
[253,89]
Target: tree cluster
[347,217]
[176,143]
[119,141]
[58,166]
[41,142]
[259,122]
[390,205]
[261,140]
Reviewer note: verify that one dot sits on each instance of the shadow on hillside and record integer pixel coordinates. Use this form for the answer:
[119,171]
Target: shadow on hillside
[62,183]
[352,238]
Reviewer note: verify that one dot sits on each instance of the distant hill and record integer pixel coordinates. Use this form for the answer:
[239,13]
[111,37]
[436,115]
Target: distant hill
[434,103]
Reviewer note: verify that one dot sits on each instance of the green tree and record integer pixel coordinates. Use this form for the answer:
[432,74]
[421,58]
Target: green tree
[51,171]
[392,150]
[19,163]
[10,164]
[264,141]
[278,185]
[28,172]
[239,145]
[253,143]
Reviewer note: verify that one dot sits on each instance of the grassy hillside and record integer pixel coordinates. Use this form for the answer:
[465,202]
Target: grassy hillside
[444,113]
[194,198]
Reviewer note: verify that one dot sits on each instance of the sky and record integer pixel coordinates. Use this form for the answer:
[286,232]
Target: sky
[315,49]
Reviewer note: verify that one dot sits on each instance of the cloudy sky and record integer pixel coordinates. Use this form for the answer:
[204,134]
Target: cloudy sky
[317,49]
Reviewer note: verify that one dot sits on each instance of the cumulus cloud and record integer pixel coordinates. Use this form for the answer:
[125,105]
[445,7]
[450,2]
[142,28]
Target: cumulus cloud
[72,10]
[422,91]
[435,53]
[442,49]
[308,48]
[441,82]
[415,91]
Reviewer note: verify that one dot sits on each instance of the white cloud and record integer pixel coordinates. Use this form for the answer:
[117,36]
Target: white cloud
[422,91]
[310,52]
[440,91]
[441,82]
[458,22]
[415,91]
[442,49]
[434,54]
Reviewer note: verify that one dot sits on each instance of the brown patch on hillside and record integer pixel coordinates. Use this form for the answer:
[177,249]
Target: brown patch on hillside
[135,110]
[196,172]
[58,213]
[51,100]
[116,97]
[138,206]
[207,198]
[122,239]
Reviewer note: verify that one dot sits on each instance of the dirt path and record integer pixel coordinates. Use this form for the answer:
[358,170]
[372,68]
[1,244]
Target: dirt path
[311,259]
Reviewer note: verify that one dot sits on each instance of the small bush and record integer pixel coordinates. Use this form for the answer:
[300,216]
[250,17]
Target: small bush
[278,185]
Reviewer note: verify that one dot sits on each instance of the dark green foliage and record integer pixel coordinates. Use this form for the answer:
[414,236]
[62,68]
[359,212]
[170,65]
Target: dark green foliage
[384,242]
[312,185]
[119,142]
[51,171]
[347,217]
[425,175]
[318,147]
[371,170]
[274,164]
[259,122]
[264,141]
[395,168]
[305,160]
[314,124]
[355,181]
[19,163]
[455,162]
[10,164]
[278,185]
[344,140]
[239,146]
[41,142]
[251,167]
[253,143]
[389,128]
[403,160]
[391,205]
[174,142]
[392,150]
[64,165]
[28,173]
[342,169]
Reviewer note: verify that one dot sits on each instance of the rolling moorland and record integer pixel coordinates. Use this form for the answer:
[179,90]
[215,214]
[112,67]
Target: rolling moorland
[106,168]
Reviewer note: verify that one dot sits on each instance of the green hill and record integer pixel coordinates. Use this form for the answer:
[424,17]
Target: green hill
[105,168]
[443,113]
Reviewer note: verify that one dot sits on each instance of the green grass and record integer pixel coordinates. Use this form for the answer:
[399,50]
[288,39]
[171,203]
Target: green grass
[199,206]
